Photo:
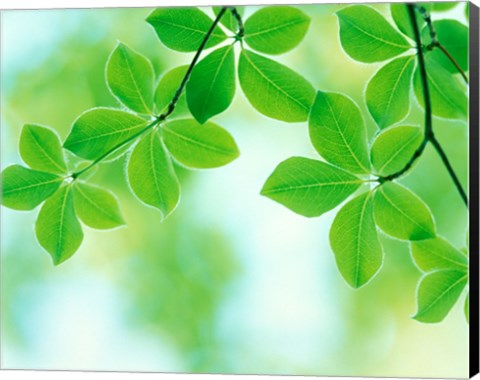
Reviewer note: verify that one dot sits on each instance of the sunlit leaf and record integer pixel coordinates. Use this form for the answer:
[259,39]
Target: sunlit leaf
[130,78]
[453,36]
[211,86]
[402,214]
[57,228]
[274,89]
[199,145]
[437,253]
[99,130]
[447,92]
[96,207]
[151,175]
[25,189]
[309,187]
[338,133]
[367,36]
[166,89]
[41,149]
[354,241]
[394,147]
[183,29]
[388,92]
[276,29]
[437,293]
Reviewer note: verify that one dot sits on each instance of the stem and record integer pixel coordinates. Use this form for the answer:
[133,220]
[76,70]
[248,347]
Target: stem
[429,135]
[435,43]
[423,72]
[428,20]
[416,155]
[455,63]
[428,131]
[116,147]
[178,93]
[449,167]
[241,30]
[171,105]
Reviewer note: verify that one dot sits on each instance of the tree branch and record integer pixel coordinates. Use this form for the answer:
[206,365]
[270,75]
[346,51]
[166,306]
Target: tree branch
[171,106]
[435,43]
[429,136]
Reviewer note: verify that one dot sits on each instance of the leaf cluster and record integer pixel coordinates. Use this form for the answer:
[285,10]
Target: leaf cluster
[367,172]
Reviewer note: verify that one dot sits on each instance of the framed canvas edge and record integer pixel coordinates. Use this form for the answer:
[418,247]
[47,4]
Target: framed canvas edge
[474,190]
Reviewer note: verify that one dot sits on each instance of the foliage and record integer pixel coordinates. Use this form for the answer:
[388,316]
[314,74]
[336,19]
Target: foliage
[167,119]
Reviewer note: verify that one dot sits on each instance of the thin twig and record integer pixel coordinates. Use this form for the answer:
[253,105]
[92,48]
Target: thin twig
[241,30]
[429,135]
[454,62]
[435,43]
[449,167]
[428,131]
[114,149]
[178,93]
[171,105]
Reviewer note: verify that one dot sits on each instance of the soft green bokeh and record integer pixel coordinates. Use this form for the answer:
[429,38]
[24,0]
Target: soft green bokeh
[231,282]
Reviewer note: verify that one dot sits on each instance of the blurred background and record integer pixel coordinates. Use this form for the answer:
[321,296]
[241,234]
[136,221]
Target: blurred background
[231,282]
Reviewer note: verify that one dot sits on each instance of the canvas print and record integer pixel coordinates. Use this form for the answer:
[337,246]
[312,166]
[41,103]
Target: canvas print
[277,189]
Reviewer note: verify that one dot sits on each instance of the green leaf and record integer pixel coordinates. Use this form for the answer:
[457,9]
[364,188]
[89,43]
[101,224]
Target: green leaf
[437,253]
[394,148]
[41,149]
[448,95]
[366,35]
[151,175]
[183,29]
[211,86]
[25,189]
[99,130]
[166,89]
[402,19]
[453,36]
[199,146]
[57,228]
[388,92]
[437,293]
[276,30]
[309,187]
[96,207]
[130,78]
[402,214]
[228,19]
[466,308]
[338,132]
[443,6]
[273,89]
[354,241]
